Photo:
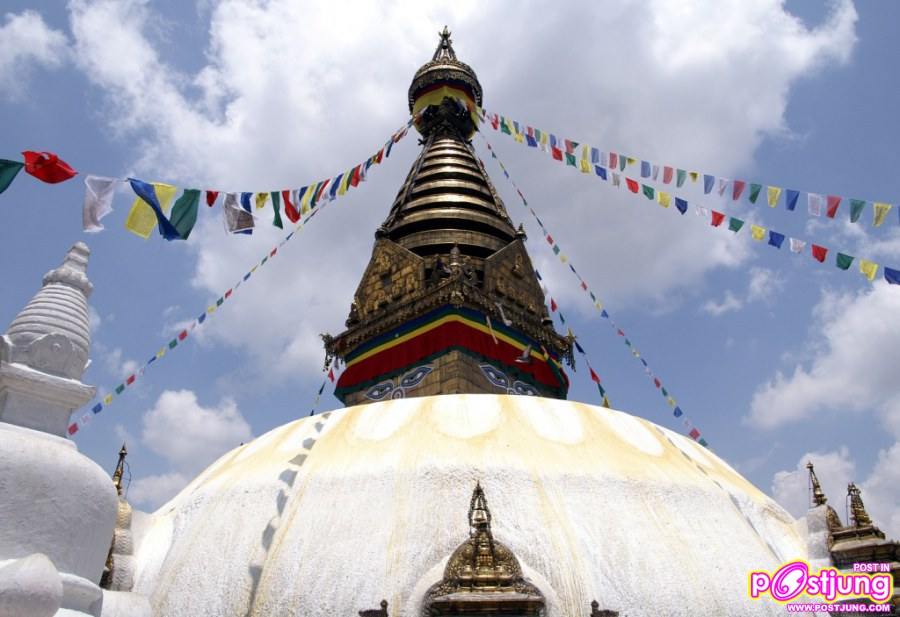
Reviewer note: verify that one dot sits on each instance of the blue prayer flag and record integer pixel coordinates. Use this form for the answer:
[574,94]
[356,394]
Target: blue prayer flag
[790,198]
[148,194]
[678,412]
[97,408]
[601,171]
[892,276]
[531,141]
[603,313]
[776,239]
[578,347]
[681,204]
[245,201]
[202,318]
[645,169]
[335,185]
[538,275]
[708,182]
[595,156]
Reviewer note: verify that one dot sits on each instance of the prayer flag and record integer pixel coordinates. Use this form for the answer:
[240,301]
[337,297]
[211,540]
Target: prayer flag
[773,193]
[735,224]
[708,183]
[290,210]
[616,179]
[819,252]
[585,166]
[276,206]
[261,200]
[790,199]
[656,382]
[655,171]
[833,203]
[757,233]
[648,191]
[556,153]
[632,185]
[345,183]
[504,126]
[880,213]
[664,199]
[211,197]
[531,141]
[695,434]
[594,377]
[595,156]
[331,375]
[868,268]
[184,212]
[681,204]
[814,204]
[717,218]
[776,239]
[237,220]
[796,245]
[98,196]
[149,208]
[335,185]
[570,146]
[754,192]
[667,174]
[306,194]
[613,160]
[600,171]
[645,169]
[570,159]
[8,172]
[680,175]
[892,276]
[47,167]
[843,261]
[578,347]
[723,184]
[245,201]
[737,189]
[694,175]
[553,305]
[856,208]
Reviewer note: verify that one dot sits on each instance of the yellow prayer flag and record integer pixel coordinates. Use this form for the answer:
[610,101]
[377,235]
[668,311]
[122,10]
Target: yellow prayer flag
[695,175]
[868,268]
[261,200]
[519,137]
[757,233]
[881,210]
[307,195]
[544,139]
[345,182]
[630,160]
[563,258]
[584,152]
[664,199]
[774,193]
[211,309]
[107,399]
[141,219]
[670,401]
[598,305]
[585,166]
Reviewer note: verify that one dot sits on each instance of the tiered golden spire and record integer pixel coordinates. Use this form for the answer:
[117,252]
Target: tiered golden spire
[857,508]
[818,496]
[120,469]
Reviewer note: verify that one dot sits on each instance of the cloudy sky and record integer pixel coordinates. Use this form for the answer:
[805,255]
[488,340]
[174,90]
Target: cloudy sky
[775,358]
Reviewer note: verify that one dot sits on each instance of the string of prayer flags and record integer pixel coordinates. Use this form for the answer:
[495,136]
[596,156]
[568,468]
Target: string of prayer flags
[670,400]
[816,202]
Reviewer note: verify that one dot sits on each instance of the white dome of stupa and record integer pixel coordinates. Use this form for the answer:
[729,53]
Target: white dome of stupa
[328,515]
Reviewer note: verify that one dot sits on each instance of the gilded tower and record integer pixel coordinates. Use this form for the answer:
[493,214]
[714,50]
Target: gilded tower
[449,302]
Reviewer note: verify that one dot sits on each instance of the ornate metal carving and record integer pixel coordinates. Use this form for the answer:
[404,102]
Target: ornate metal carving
[858,514]
[482,575]
[596,612]
[818,496]
[377,612]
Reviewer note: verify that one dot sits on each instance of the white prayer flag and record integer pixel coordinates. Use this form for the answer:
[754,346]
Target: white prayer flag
[617,180]
[723,184]
[655,171]
[815,204]
[98,196]
[797,245]
[236,218]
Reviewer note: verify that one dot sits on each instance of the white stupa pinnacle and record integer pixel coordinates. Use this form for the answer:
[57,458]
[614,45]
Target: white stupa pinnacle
[45,351]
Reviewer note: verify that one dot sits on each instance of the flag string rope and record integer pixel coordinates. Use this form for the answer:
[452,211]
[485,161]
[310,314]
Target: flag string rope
[677,412]
[107,400]
[564,150]
[758,233]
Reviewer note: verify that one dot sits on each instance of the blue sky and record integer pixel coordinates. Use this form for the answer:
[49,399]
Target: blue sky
[774,357]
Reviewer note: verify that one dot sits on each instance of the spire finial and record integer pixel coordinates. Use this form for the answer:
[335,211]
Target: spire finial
[857,507]
[479,514]
[120,469]
[445,47]
[818,496]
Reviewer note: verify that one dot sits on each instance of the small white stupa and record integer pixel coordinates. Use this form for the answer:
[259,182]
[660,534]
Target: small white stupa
[57,507]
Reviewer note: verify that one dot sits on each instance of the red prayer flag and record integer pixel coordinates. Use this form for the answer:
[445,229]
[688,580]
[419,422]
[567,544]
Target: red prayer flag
[620,333]
[594,376]
[549,239]
[322,188]
[272,253]
[553,306]
[182,335]
[613,160]
[632,185]
[354,176]
[695,434]
[130,380]
[495,122]
[47,167]
[738,189]
[211,197]
[656,382]
[73,428]
[556,152]
[717,218]
[290,210]
[228,293]
[584,285]
[331,374]
[379,156]
[834,203]
[667,174]
[570,146]
[819,252]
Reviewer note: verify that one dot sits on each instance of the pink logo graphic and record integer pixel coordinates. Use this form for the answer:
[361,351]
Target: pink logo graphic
[794,578]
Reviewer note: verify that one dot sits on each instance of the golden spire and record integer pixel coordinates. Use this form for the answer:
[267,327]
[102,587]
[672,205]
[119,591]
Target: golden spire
[857,507]
[818,496]
[120,468]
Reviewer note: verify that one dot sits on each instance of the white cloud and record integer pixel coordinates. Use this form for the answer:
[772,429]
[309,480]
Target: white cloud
[155,490]
[835,470]
[115,363]
[27,41]
[273,108]
[190,436]
[729,303]
[764,284]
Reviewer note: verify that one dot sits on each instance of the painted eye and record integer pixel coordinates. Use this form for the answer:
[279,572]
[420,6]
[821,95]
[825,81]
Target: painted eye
[398,393]
[524,389]
[415,377]
[379,391]
[494,376]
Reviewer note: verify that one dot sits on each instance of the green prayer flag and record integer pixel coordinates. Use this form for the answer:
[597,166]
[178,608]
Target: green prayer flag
[680,176]
[556,249]
[602,391]
[856,208]
[754,192]
[184,212]
[649,193]
[8,171]
[120,388]
[843,261]
[622,161]
[173,343]
[664,393]
[570,159]
[504,128]
[220,301]
[276,203]
[735,224]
